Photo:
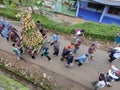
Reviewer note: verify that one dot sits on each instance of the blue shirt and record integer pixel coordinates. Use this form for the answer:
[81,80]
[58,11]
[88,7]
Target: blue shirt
[83,58]
[5,32]
[55,37]
[117,39]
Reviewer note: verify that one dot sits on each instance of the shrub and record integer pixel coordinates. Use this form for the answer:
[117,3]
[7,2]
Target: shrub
[93,30]
[9,13]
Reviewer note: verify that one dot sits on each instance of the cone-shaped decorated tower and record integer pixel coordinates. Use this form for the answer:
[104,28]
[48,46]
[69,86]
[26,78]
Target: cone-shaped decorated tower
[30,33]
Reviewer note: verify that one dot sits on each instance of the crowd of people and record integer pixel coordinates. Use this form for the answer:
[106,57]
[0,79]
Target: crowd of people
[9,32]
[113,74]
[105,79]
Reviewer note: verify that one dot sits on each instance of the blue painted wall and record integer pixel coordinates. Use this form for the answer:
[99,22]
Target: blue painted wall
[92,15]
[110,15]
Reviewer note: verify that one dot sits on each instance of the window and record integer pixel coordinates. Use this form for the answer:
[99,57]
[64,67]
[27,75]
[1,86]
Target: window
[96,6]
[114,10]
[92,5]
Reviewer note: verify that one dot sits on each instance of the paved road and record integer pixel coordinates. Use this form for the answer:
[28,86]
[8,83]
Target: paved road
[83,74]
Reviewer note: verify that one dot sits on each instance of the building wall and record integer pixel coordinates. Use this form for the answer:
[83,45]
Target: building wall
[110,15]
[84,4]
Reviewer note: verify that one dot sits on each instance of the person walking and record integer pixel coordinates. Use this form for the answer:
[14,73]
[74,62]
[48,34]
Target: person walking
[64,54]
[81,59]
[92,50]
[55,37]
[1,28]
[70,60]
[17,52]
[45,53]
[117,39]
[79,33]
[5,33]
[70,47]
[40,26]
[114,54]
[56,48]
[76,45]
[31,51]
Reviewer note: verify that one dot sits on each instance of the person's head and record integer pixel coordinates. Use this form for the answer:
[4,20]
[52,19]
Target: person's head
[72,43]
[82,30]
[38,21]
[93,44]
[78,40]
[46,48]
[57,33]
[102,75]
[77,29]
[13,44]
[86,55]
[56,42]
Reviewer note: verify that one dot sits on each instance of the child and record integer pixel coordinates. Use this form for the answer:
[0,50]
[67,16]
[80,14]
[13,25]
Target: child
[79,32]
[45,53]
[92,50]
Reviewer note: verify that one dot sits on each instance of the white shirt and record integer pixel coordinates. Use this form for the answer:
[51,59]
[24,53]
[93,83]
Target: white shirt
[101,84]
[117,52]
[112,74]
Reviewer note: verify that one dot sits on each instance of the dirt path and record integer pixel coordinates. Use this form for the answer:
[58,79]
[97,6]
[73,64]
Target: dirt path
[57,81]
[65,19]
[84,74]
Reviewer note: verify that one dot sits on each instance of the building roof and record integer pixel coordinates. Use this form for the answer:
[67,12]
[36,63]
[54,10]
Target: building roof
[109,2]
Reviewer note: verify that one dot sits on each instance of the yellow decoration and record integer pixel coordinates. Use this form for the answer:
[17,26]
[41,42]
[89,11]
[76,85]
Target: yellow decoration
[30,33]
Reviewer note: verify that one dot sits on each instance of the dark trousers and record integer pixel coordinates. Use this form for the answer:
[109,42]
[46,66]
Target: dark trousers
[76,60]
[56,53]
[46,56]
[111,57]
[52,43]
